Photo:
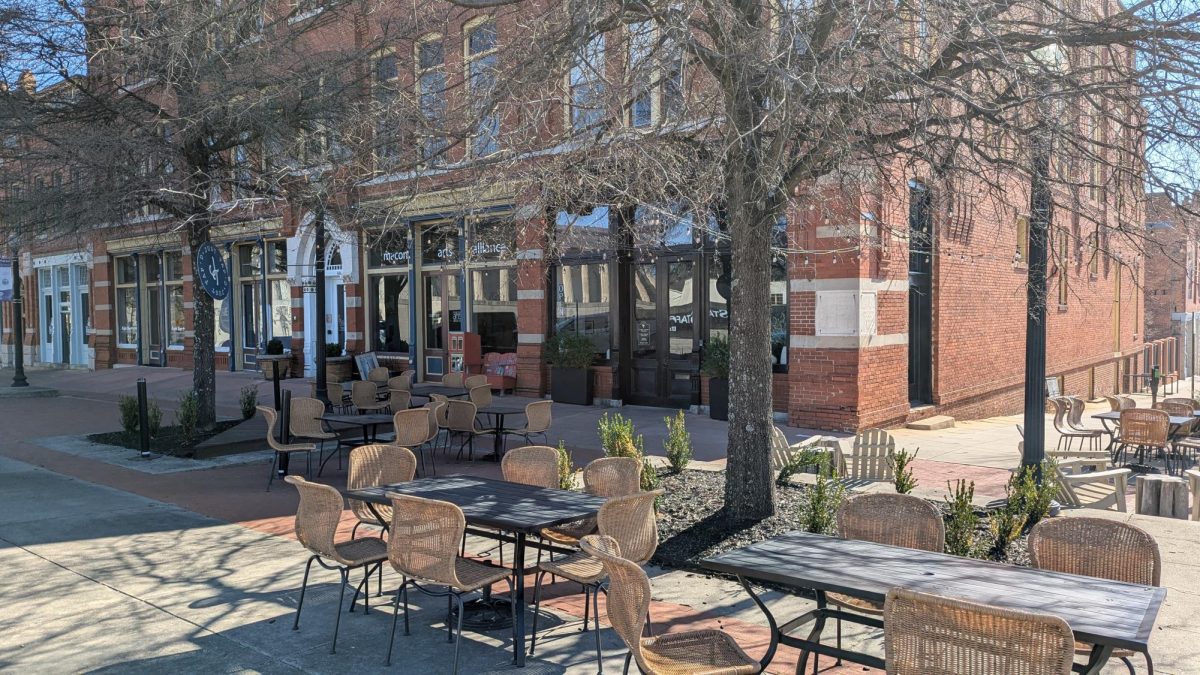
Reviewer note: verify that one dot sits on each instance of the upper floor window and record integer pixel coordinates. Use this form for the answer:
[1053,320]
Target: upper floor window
[431,94]
[481,60]
[587,84]
[655,76]
[387,74]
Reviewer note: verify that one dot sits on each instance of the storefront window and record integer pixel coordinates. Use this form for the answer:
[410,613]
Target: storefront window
[174,283]
[439,245]
[281,311]
[249,260]
[494,308]
[390,312]
[126,302]
[222,315]
[584,232]
[583,302]
[391,250]
[779,312]
[492,240]
[718,294]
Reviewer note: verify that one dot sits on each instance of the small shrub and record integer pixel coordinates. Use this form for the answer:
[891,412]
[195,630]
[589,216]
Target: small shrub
[819,506]
[1006,525]
[962,520]
[1029,498]
[566,468]
[802,460]
[716,358]
[154,416]
[678,444]
[248,400]
[128,405]
[569,350]
[274,347]
[617,436]
[905,481]
[649,477]
[333,349]
[187,415]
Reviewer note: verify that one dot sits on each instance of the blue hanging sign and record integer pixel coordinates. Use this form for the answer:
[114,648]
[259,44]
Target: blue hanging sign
[212,271]
[6,280]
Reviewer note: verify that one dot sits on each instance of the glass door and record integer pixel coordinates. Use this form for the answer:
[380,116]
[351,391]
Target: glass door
[152,310]
[66,333]
[251,328]
[643,381]
[663,357]
[442,298]
[46,285]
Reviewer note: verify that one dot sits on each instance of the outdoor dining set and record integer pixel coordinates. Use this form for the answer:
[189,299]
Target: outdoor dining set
[1166,431]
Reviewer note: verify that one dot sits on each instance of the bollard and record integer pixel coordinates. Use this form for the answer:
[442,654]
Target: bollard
[143,418]
[285,424]
[275,381]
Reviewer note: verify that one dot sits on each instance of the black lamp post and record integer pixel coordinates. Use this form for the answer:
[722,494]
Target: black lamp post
[18,325]
[322,392]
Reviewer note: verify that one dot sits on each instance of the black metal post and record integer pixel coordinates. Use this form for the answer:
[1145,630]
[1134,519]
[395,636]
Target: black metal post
[1040,211]
[275,381]
[18,308]
[322,392]
[285,424]
[143,418]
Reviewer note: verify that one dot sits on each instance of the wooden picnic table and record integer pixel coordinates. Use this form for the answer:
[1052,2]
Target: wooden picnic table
[1103,613]
[510,512]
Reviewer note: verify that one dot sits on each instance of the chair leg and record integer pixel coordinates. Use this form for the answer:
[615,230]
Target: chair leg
[537,604]
[458,642]
[274,463]
[1149,663]
[303,588]
[395,616]
[354,529]
[586,607]
[405,587]
[345,574]
[596,620]
[628,659]
[839,639]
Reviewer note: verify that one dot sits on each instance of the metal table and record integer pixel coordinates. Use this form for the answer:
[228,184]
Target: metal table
[503,507]
[497,410]
[1106,614]
[1113,417]
[427,388]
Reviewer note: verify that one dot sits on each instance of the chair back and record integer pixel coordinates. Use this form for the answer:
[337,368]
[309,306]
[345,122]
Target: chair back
[424,538]
[452,380]
[1127,402]
[481,396]
[460,415]
[317,516]
[538,417]
[269,415]
[374,465]
[628,593]
[1095,547]
[399,399]
[1075,418]
[893,519]
[1184,401]
[631,521]
[531,465]
[927,634]
[1144,426]
[304,418]
[475,381]
[613,477]
[437,414]
[363,393]
[378,374]
[871,457]
[1114,403]
[781,450]
[441,413]
[1177,408]
[1060,413]
[401,382]
[412,426]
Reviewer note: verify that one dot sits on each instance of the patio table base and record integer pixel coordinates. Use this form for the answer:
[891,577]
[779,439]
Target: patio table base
[486,614]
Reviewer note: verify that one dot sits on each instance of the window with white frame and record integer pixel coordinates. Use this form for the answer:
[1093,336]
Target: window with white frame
[387,75]
[126,301]
[173,282]
[586,81]
[431,97]
[655,76]
[481,58]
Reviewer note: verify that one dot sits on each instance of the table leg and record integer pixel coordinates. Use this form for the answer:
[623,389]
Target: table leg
[519,599]
[766,659]
[813,636]
[497,442]
[1099,656]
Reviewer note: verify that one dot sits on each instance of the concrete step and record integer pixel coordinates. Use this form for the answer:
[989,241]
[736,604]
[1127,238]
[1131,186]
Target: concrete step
[932,423]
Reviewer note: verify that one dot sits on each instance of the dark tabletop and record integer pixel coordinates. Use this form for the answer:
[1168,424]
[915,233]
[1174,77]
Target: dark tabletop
[1115,415]
[501,408]
[358,420]
[493,503]
[1098,610]
[425,389]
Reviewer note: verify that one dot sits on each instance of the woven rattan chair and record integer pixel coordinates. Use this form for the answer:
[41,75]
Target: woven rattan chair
[1184,446]
[1145,429]
[412,431]
[1191,403]
[423,544]
[604,477]
[1095,547]
[269,415]
[481,395]
[378,375]
[403,381]
[452,380]
[891,519]
[531,465]
[317,520]
[538,419]
[374,465]
[631,523]
[932,635]
[365,395]
[304,421]
[399,399]
[1127,402]
[475,381]
[1114,403]
[712,652]
[461,422]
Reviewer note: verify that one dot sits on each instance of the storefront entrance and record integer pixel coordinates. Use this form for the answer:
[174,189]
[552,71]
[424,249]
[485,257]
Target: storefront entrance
[443,314]
[65,314]
[663,348]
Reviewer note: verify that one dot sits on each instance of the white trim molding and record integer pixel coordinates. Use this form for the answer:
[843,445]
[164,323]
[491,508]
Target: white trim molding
[847,341]
[849,284]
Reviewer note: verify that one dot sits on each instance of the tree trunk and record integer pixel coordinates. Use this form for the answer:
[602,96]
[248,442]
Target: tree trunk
[204,371]
[749,484]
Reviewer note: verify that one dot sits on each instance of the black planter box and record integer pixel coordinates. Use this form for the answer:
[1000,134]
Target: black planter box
[718,398]
[571,385]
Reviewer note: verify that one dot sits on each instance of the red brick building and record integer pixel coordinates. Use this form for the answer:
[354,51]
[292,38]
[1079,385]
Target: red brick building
[875,332]
[1172,290]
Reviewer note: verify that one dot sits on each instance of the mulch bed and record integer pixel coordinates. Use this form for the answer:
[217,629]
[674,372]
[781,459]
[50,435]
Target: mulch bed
[692,526]
[168,441]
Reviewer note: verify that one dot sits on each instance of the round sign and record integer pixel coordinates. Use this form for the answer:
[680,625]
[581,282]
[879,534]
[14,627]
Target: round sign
[211,271]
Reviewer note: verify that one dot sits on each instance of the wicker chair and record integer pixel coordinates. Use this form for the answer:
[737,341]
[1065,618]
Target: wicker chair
[289,449]
[452,380]
[892,519]
[378,375]
[932,635]
[1191,403]
[630,522]
[475,381]
[531,465]
[399,399]
[538,419]
[604,477]
[1096,547]
[1114,403]
[1067,433]
[712,652]
[403,381]
[481,395]
[1143,428]
[1127,402]
[374,465]
[304,421]
[1184,446]
[423,544]
[412,430]
[317,520]
[365,395]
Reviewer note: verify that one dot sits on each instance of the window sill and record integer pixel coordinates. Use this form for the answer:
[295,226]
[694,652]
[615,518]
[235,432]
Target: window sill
[305,16]
[174,348]
[1020,265]
[126,345]
[1062,308]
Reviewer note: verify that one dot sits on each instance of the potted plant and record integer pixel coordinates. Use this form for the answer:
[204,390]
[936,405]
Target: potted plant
[716,367]
[570,356]
[274,353]
[338,368]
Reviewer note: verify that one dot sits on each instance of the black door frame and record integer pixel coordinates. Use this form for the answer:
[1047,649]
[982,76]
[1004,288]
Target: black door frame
[667,366]
[920,295]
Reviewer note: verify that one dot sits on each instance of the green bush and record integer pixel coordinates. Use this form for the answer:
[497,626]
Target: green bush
[617,436]
[569,350]
[333,349]
[154,417]
[1029,498]
[650,478]
[128,405]
[187,415]
[248,400]
[905,481]
[678,444]
[819,506]
[802,460]
[274,347]
[716,358]
[1006,525]
[962,520]
[566,468]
